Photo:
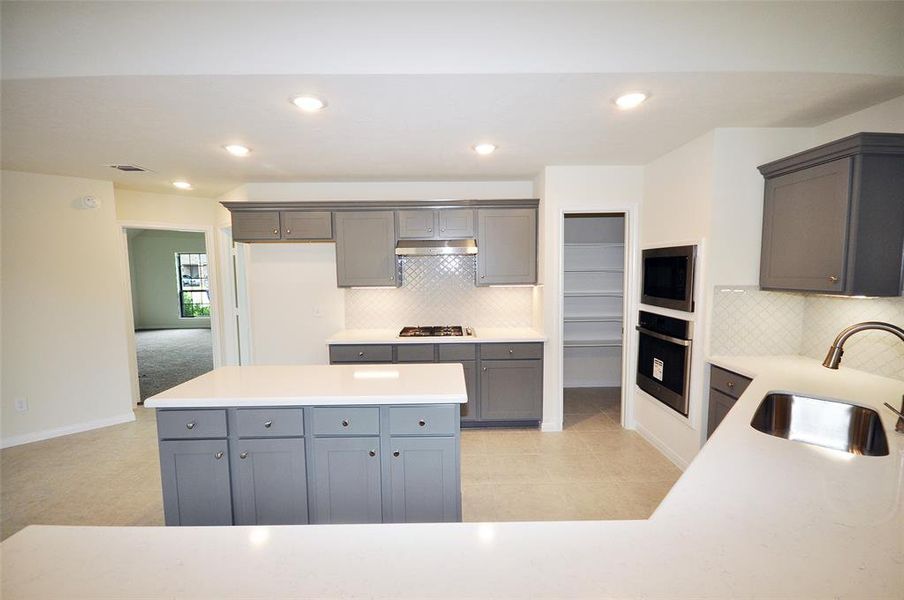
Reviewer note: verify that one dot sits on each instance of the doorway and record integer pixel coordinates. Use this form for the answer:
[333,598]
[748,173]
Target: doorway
[170,288]
[593,313]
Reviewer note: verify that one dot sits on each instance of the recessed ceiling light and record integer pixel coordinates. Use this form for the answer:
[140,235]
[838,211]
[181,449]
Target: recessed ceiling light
[630,100]
[237,149]
[182,185]
[485,148]
[308,103]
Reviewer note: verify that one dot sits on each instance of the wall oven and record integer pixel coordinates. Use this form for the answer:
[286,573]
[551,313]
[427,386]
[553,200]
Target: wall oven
[664,359]
[668,277]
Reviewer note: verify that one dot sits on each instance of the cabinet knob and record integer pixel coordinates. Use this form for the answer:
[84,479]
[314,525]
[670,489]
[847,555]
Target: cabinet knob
[442,229]
[345,422]
[421,423]
[392,279]
[360,355]
[288,231]
[484,369]
[396,453]
[218,455]
[267,424]
[511,351]
[429,229]
[833,278]
[730,384]
[276,232]
[483,276]
[190,425]
[243,455]
[372,453]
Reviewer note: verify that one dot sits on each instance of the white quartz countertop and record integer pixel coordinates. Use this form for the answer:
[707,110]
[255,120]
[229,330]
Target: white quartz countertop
[309,385]
[483,335]
[754,516]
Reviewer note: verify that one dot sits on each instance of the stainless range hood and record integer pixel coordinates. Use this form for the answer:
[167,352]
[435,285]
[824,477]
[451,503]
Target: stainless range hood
[435,247]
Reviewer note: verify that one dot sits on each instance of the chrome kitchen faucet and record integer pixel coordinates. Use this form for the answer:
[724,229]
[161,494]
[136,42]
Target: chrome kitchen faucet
[833,358]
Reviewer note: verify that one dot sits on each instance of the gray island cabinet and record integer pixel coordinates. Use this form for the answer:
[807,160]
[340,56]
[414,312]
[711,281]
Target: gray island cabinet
[310,457]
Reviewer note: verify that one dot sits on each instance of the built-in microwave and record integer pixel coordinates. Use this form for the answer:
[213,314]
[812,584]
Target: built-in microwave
[668,277]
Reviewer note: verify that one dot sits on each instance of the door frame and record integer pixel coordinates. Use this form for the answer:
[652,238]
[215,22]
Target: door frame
[216,325]
[629,306]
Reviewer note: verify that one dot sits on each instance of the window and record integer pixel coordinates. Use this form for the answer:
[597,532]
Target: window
[194,284]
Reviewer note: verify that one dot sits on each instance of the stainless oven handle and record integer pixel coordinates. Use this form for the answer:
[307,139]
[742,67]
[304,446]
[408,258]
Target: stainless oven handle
[659,336]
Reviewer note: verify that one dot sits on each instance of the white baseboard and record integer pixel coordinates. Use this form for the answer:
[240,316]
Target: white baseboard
[659,445]
[46,434]
[550,426]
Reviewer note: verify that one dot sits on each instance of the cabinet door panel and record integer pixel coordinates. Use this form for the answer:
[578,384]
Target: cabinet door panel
[455,223]
[507,246]
[417,224]
[270,482]
[424,483]
[469,411]
[365,249]
[347,483]
[196,487]
[719,405]
[805,224]
[511,390]
[306,225]
[255,226]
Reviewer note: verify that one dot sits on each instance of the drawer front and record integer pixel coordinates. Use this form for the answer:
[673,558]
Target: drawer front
[191,424]
[728,382]
[424,420]
[457,351]
[414,353]
[361,353]
[307,225]
[269,422]
[513,351]
[346,421]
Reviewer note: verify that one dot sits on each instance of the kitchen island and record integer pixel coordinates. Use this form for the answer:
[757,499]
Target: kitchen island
[754,516]
[289,445]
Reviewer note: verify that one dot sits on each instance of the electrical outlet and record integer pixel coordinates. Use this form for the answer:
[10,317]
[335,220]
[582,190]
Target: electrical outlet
[21,404]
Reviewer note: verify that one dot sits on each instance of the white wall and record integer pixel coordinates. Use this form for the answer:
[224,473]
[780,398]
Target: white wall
[64,310]
[574,189]
[383,190]
[154,279]
[172,209]
[885,117]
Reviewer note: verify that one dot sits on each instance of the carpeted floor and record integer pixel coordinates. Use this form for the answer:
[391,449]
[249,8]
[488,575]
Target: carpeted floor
[168,357]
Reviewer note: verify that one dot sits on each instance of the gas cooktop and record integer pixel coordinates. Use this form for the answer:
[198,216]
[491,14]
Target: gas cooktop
[433,331]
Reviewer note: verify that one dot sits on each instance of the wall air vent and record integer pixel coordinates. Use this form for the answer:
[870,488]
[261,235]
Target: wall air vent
[128,168]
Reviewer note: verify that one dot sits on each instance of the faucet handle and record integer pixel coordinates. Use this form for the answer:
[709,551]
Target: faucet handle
[899,427]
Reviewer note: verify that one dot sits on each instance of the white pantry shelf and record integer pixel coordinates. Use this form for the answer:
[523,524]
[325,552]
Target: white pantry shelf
[616,343]
[593,294]
[593,319]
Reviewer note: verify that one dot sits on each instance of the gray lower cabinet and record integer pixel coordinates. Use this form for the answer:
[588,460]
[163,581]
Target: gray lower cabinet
[424,480]
[347,480]
[270,482]
[511,390]
[196,484]
[725,387]
[507,242]
[365,249]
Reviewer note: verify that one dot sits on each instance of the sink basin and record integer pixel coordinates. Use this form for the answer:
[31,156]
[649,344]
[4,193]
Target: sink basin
[826,423]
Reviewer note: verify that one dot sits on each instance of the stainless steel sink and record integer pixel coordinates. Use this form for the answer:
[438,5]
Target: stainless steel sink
[826,423]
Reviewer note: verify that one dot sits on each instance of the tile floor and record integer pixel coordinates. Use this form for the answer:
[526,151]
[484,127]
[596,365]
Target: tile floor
[594,469]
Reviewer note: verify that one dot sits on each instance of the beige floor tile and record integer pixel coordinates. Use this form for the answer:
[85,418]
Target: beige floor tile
[531,502]
[595,422]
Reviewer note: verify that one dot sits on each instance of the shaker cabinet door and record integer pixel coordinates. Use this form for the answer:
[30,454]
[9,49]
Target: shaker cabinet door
[507,246]
[196,487]
[347,482]
[270,482]
[511,390]
[805,229]
[456,223]
[365,249]
[255,226]
[424,480]
[306,225]
[417,224]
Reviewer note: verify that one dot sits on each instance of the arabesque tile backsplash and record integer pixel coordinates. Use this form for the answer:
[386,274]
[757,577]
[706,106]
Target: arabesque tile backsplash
[438,290]
[748,321]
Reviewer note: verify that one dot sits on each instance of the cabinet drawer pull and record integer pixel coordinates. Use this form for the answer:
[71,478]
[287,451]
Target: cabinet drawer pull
[345,422]
[243,455]
[219,455]
[372,453]
[421,423]
[396,453]
[190,425]
[360,355]
[833,278]
[267,424]
[730,384]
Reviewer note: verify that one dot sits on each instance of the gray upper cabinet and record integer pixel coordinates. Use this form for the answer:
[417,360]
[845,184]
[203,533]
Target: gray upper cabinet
[270,482]
[347,481]
[306,225]
[507,246]
[511,390]
[196,484]
[456,223]
[417,224]
[255,226]
[833,218]
[424,480]
[365,249]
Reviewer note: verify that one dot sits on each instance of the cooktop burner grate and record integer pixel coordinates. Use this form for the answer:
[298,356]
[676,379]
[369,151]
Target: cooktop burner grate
[432,331]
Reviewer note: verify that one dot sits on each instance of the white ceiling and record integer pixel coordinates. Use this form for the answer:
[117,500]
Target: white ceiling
[412,86]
